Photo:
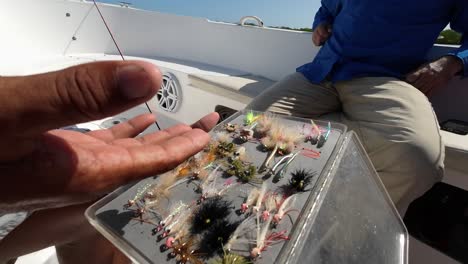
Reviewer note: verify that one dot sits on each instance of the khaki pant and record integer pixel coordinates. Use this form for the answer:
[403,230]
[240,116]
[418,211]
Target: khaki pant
[393,119]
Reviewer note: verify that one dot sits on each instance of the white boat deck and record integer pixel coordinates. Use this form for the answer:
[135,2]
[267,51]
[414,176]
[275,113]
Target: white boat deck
[44,256]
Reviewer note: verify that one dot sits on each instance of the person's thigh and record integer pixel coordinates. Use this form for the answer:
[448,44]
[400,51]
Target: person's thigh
[295,95]
[400,132]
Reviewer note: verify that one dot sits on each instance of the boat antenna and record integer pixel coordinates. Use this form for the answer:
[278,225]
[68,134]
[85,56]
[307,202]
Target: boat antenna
[119,50]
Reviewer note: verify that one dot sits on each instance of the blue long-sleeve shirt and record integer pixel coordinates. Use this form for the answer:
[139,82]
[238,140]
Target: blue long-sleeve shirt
[383,37]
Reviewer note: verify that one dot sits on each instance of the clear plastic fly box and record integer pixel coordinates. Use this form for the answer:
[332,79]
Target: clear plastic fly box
[267,189]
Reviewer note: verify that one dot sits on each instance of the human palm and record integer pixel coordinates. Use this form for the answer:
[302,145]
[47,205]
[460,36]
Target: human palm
[41,167]
[103,159]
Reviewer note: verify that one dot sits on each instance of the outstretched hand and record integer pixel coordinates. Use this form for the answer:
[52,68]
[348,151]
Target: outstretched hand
[38,163]
[435,75]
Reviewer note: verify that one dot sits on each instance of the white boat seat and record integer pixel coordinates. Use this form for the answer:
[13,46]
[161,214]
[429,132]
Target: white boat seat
[450,103]
[234,84]
[240,88]
[456,151]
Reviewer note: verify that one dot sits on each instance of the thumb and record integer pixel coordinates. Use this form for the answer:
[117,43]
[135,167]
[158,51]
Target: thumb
[78,94]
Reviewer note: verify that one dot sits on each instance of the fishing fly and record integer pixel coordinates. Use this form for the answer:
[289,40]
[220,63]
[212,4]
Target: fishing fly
[261,196]
[250,200]
[231,127]
[280,174]
[216,235]
[209,187]
[244,228]
[245,172]
[270,204]
[285,207]
[185,252]
[324,136]
[211,210]
[250,118]
[300,180]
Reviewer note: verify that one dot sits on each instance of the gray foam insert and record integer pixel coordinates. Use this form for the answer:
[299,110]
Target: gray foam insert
[138,236]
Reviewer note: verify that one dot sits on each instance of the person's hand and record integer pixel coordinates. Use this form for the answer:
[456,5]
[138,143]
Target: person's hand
[435,75]
[321,34]
[37,163]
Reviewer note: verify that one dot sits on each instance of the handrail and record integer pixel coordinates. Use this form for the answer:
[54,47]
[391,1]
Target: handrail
[256,18]
[125,4]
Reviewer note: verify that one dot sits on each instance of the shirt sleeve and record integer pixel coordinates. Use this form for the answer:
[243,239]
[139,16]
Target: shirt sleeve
[459,23]
[327,12]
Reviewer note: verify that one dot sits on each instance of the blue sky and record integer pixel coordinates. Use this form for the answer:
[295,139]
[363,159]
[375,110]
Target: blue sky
[292,13]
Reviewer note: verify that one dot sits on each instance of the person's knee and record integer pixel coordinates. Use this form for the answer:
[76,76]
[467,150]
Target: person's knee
[408,167]
[423,159]
[421,167]
[429,151]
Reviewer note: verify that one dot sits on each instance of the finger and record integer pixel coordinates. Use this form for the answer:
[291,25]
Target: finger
[437,85]
[429,90]
[131,128]
[121,166]
[170,153]
[323,32]
[72,136]
[413,77]
[422,75]
[318,40]
[315,39]
[420,83]
[424,83]
[165,134]
[207,122]
[76,95]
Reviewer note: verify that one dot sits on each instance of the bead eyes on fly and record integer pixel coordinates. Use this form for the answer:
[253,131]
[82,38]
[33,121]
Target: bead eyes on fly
[230,127]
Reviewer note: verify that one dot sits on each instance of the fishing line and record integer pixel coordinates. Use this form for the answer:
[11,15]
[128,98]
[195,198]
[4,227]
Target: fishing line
[118,49]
